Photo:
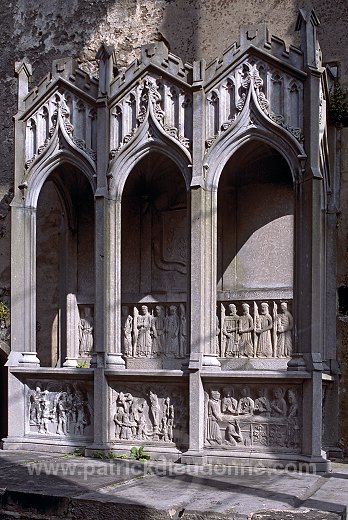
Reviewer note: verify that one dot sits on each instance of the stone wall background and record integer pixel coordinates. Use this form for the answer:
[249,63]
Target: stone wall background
[41,30]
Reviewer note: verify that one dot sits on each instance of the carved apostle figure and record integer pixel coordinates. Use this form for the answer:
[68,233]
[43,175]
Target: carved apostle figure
[159,331]
[61,418]
[118,420]
[127,326]
[278,405]
[285,325]
[183,331]
[45,412]
[228,403]
[143,324]
[128,426]
[262,406]
[81,419]
[213,433]
[173,325]
[246,326]
[35,406]
[263,328]
[86,332]
[230,331]
[155,411]
[245,404]
[293,436]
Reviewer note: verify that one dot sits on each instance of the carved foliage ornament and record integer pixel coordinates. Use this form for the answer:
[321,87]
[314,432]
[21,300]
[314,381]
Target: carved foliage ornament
[62,110]
[248,77]
[151,100]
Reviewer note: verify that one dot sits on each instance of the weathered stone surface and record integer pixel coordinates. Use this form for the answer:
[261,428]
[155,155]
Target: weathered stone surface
[41,32]
[87,488]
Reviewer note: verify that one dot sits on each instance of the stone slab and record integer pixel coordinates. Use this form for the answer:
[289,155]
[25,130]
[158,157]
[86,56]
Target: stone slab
[56,486]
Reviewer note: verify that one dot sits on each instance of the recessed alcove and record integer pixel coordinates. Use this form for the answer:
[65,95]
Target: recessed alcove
[154,233]
[64,263]
[255,225]
[155,248]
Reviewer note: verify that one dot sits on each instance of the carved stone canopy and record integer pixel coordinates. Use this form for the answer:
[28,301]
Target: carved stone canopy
[257,84]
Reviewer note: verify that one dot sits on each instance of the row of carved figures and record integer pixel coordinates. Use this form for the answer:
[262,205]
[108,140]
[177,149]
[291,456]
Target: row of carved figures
[137,419]
[161,332]
[65,412]
[262,335]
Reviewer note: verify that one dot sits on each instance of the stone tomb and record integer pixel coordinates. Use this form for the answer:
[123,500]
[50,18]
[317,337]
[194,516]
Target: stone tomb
[166,227]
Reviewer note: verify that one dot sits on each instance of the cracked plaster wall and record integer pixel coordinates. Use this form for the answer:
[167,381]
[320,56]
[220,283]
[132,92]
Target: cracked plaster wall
[42,30]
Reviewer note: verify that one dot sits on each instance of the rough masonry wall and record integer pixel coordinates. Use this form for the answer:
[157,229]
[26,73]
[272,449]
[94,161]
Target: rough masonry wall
[41,30]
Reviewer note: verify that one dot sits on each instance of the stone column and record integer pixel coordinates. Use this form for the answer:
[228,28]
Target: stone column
[69,304]
[113,286]
[23,247]
[23,285]
[310,246]
[108,233]
[203,241]
[101,413]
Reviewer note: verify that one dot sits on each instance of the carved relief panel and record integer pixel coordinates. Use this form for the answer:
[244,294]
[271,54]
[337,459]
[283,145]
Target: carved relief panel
[59,409]
[159,330]
[256,329]
[148,413]
[263,416]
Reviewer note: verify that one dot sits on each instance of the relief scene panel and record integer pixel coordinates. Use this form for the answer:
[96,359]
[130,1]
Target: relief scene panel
[253,416]
[149,413]
[59,409]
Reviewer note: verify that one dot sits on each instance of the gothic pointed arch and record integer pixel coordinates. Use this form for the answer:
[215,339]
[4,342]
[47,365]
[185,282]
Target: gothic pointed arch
[149,139]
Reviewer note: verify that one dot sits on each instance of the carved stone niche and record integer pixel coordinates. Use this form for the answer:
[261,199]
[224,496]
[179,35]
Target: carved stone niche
[262,417]
[154,336]
[149,413]
[255,330]
[59,410]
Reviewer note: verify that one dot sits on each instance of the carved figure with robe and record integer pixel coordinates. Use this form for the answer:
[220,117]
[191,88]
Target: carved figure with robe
[263,327]
[143,325]
[213,433]
[86,332]
[285,325]
[230,328]
[246,326]
[173,326]
[127,327]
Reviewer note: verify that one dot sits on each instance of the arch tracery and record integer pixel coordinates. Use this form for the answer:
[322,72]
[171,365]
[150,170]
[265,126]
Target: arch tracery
[189,167]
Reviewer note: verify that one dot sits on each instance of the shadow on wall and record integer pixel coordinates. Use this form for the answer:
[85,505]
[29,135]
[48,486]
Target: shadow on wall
[199,29]
[3,395]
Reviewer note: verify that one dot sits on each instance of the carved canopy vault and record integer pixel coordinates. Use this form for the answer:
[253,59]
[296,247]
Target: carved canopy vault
[186,206]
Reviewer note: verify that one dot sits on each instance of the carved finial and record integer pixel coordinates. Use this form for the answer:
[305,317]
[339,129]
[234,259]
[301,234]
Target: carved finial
[107,59]
[256,35]
[23,71]
[156,52]
[307,22]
